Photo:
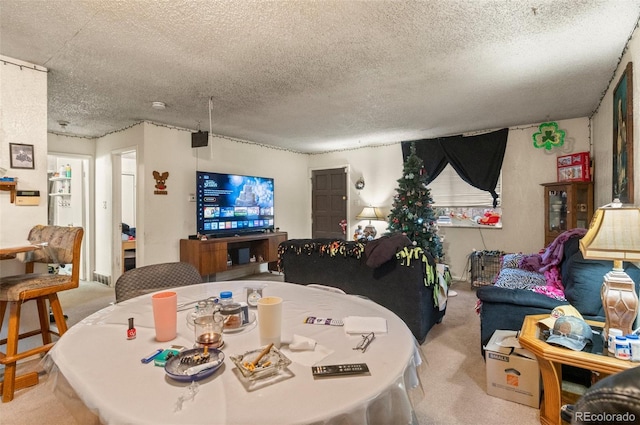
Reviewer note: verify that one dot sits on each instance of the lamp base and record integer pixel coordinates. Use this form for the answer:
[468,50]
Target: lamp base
[370,231]
[620,302]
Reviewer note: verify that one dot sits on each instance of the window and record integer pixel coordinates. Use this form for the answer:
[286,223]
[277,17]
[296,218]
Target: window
[458,204]
[449,190]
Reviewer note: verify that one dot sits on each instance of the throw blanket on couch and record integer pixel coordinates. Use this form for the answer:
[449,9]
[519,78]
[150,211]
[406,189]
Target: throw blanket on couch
[537,272]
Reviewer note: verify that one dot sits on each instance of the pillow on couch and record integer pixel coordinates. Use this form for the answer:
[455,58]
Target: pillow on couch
[519,279]
[511,261]
[379,251]
[584,281]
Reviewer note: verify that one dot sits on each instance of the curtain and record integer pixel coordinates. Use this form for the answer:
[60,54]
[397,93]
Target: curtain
[477,159]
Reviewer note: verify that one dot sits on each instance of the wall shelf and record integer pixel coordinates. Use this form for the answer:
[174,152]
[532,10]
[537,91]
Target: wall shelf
[11,187]
[61,186]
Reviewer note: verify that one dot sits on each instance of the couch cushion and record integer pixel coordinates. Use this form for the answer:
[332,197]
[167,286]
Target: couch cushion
[584,279]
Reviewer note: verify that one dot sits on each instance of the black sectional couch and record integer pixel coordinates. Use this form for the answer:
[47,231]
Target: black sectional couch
[395,285]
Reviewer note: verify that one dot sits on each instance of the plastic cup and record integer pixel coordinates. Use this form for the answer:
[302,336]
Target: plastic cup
[270,320]
[165,315]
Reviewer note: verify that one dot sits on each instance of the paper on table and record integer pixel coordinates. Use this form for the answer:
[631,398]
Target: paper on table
[304,350]
[307,357]
[300,343]
[362,324]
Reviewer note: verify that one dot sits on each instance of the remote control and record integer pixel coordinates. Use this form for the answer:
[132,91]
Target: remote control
[339,369]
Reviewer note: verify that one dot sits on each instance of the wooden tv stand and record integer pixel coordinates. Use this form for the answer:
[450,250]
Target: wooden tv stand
[210,256]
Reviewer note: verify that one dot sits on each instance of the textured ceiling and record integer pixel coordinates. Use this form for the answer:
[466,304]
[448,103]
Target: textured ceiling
[322,75]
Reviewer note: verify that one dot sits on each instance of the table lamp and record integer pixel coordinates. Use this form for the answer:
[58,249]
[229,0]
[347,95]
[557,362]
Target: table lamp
[614,234]
[370,213]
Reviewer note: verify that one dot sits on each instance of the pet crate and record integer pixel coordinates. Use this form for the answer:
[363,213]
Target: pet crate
[484,267]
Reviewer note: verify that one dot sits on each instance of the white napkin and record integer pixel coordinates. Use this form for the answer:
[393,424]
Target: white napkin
[303,350]
[362,324]
[301,343]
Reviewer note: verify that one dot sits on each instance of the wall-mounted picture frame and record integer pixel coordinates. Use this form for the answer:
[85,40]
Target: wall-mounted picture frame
[622,186]
[21,156]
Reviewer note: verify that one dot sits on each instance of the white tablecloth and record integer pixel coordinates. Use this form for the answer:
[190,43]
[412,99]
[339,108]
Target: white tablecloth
[104,370]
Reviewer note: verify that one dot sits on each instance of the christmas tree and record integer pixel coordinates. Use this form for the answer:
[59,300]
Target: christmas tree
[412,212]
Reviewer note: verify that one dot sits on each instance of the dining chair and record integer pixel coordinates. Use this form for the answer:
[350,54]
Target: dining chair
[146,279]
[58,245]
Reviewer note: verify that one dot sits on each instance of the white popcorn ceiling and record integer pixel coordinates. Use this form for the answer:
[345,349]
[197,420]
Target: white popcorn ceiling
[316,76]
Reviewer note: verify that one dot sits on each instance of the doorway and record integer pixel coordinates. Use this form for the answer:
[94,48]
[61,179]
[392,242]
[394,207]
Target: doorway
[124,211]
[69,201]
[329,203]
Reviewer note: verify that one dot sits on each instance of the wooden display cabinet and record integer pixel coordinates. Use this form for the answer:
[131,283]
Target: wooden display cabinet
[210,256]
[567,205]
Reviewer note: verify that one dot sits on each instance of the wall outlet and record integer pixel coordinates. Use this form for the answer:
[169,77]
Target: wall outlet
[192,197]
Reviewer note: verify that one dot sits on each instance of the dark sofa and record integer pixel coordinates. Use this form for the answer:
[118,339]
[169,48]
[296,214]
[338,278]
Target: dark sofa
[396,285]
[503,308]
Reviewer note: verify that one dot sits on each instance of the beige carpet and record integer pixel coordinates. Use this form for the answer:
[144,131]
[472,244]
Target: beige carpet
[453,378]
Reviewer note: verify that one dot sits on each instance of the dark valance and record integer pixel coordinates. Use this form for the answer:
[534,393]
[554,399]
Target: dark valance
[476,159]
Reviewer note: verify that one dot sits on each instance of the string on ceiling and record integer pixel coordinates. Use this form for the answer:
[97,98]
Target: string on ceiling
[624,50]
[21,66]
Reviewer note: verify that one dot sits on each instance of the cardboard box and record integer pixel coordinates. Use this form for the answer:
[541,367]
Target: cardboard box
[574,168]
[512,373]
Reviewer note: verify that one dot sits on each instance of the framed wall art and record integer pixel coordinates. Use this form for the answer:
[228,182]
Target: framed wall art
[622,187]
[21,155]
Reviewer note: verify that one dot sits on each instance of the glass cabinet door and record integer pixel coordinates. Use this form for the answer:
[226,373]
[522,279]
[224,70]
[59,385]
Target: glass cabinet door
[557,202]
[581,213]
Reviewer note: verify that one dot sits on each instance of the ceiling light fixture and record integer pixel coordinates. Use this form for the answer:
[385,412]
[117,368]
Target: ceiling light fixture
[158,105]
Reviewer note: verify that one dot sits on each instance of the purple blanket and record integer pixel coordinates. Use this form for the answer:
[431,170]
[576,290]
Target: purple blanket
[551,256]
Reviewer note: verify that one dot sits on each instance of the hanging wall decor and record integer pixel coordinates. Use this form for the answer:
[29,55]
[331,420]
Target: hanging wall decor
[161,182]
[21,156]
[548,136]
[622,187]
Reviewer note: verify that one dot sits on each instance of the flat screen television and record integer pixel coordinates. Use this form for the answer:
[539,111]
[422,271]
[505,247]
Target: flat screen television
[230,204]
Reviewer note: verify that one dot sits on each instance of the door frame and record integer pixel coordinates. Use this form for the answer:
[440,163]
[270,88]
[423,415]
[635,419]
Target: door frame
[347,169]
[116,211]
[87,251]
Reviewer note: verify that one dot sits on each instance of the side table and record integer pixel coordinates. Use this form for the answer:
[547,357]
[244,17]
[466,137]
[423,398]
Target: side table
[551,357]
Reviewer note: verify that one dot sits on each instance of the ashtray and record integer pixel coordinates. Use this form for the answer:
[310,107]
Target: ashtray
[269,364]
[194,365]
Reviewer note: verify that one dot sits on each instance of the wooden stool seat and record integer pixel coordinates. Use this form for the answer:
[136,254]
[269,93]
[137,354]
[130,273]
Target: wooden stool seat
[59,245]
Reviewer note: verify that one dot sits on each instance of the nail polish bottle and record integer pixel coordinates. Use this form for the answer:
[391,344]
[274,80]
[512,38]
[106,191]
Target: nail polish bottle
[131,332]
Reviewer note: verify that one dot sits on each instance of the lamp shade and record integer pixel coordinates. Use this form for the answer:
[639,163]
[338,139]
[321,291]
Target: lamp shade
[370,213]
[614,234]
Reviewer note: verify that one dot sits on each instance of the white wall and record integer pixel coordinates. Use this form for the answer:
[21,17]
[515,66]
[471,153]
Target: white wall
[169,218]
[524,169]
[23,119]
[162,220]
[602,130]
[119,141]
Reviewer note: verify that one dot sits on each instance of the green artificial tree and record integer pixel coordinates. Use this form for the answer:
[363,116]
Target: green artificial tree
[412,212]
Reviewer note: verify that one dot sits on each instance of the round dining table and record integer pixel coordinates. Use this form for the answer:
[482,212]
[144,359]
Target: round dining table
[97,365]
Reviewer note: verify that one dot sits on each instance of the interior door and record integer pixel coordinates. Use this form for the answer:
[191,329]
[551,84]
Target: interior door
[329,203]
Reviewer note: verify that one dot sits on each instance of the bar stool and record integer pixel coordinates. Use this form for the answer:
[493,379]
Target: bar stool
[60,245]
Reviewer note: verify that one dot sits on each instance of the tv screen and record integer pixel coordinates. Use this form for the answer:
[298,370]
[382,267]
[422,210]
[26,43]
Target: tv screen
[229,204]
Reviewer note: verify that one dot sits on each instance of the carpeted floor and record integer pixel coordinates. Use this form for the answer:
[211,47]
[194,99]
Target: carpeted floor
[453,378]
